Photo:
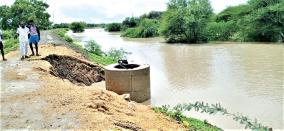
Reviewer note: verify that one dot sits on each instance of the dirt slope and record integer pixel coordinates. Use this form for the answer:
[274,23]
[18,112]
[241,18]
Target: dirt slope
[55,103]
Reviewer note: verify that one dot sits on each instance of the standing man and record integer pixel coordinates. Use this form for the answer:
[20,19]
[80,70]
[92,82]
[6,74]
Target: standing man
[23,34]
[34,37]
[1,45]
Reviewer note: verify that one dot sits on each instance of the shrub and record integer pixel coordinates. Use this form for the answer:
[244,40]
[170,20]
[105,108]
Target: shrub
[177,111]
[68,39]
[147,28]
[10,45]
[221,30]
[113,27]
[78,27]
[131,22]
[186,20]
[93,47]
[117,54]
[61,25]
[9,34]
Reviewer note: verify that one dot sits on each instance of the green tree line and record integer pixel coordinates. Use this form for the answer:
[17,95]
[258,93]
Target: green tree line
[193,21]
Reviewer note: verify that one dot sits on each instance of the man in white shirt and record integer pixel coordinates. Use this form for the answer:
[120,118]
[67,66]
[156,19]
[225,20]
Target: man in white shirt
[1,45]
[23,34]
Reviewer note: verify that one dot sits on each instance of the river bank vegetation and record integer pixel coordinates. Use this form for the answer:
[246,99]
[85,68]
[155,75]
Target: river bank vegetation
[92,50]
[78,27]
[193,21]
[177,111]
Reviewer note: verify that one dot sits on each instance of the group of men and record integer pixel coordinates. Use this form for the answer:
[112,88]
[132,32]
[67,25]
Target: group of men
[28,35]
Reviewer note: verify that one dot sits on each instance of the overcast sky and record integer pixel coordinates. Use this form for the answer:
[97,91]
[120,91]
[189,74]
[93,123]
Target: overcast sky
[105,11]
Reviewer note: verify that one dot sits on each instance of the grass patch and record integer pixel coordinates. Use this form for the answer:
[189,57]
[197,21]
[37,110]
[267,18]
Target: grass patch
[191,123]
[104,60]
[176,112]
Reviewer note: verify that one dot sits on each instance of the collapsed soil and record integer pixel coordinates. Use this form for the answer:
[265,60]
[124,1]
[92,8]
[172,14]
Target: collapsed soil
[64,105]
[75,70]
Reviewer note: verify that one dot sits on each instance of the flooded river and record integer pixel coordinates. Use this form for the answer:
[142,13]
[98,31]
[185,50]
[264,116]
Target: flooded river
[243,77]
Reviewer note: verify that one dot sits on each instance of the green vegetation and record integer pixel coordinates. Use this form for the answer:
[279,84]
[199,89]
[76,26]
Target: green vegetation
[176,112]
[117,53]
[113,27]
[186,21]
[152,15]
[191,123]
[10,41]
[192,21]
[92,50]
[146,28]
[220,31]
[21,10]
[130,22]
[78,27]
[61,32]
[67,25]
[10,45]
[24,10]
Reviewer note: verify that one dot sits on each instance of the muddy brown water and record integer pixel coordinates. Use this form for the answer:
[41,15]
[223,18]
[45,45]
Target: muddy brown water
[243,77]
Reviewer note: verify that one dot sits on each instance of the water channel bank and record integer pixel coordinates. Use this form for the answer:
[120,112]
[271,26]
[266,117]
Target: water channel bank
[243,77]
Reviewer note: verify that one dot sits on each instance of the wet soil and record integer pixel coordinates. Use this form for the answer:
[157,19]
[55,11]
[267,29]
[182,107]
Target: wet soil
[75,70]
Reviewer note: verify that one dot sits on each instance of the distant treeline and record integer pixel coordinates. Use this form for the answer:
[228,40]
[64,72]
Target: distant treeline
[193,21]
[87,25]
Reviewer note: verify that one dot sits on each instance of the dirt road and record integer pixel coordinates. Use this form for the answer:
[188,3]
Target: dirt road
[32,98]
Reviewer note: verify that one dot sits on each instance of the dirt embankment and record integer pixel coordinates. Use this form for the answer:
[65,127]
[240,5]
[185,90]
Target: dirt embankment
[75,70]
[61,104]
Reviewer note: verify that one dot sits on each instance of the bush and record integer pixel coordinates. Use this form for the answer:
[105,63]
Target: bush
[10,45]
[186,20]
[78,27]
[152,15]
[9,34]
[147,28]
[94,48]
[221,31]
[131,22]
[68,39]
[117,54]
[61,25]
[113,27]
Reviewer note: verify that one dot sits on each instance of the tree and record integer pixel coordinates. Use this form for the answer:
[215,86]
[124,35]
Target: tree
[186,20]
[152,15]
[113,27]
[221,31]
[130,22]
[264,23]
[24,10]
[147,28]
[233,13]
[78,27]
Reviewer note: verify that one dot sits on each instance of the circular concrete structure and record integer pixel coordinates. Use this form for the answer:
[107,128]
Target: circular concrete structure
[135,81]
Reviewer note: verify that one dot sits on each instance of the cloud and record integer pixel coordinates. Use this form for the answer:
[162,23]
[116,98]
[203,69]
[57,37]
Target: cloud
[101,11]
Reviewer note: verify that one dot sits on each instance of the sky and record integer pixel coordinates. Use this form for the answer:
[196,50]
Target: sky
[106,11]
